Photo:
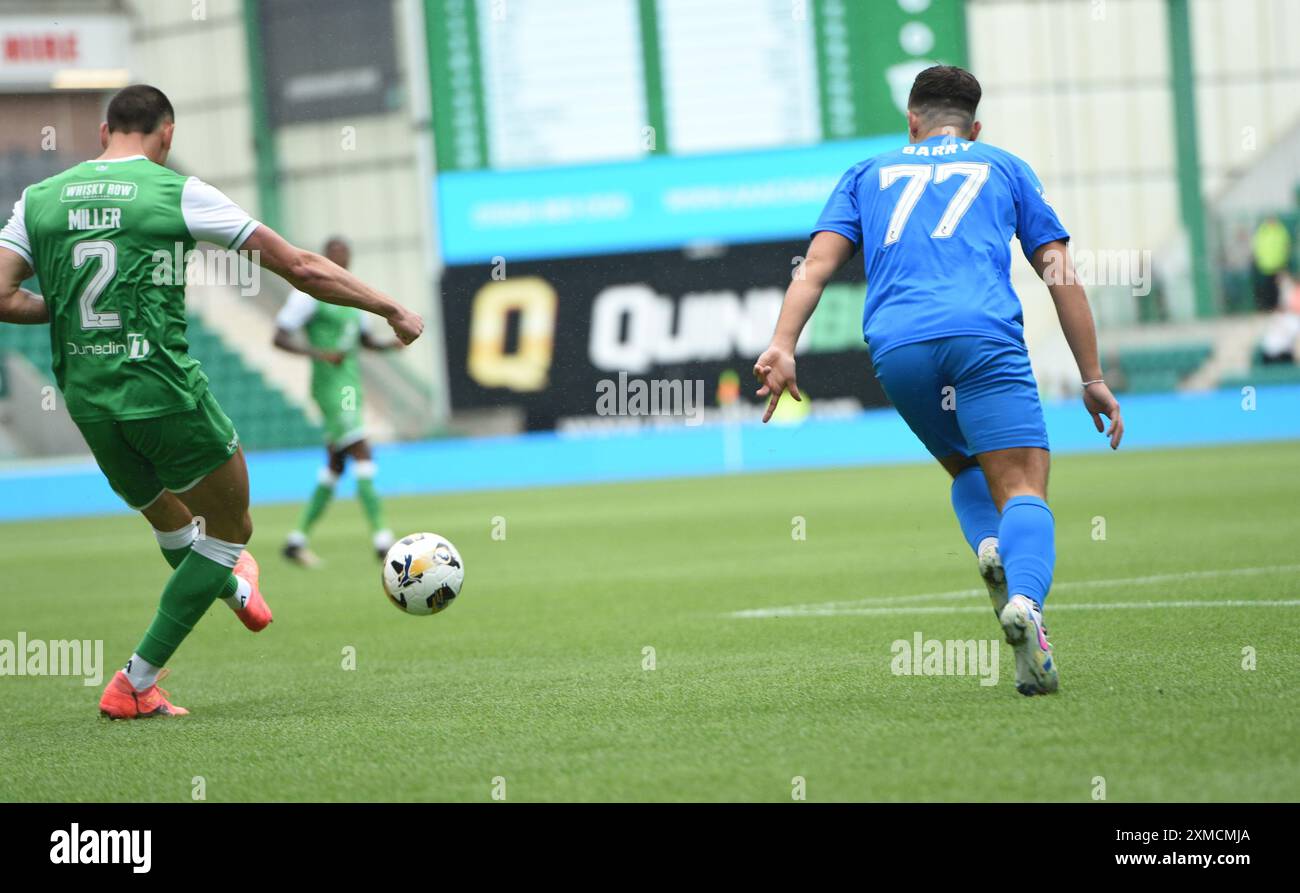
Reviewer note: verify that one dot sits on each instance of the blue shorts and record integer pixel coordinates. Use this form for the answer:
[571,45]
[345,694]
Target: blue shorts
[965,395]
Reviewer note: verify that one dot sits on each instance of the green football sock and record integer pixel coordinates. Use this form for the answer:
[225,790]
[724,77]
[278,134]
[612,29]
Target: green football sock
[370,502]
[320,498]
[176,556]
[193,587]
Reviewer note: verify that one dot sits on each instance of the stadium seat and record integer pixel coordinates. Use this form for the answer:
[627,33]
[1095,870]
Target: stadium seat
[1263,376]
[264,417]
[1160,368]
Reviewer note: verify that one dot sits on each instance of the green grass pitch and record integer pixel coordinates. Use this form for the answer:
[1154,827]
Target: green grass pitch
[537,673]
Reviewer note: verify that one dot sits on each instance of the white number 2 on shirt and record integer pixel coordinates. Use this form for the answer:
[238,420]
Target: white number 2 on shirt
[105,252]
[919,176]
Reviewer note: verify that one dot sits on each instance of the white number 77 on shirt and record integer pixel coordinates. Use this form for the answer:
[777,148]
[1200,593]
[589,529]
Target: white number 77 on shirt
[921,175]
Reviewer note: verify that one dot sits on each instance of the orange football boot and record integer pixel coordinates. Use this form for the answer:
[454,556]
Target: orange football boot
[122,701]
[256,613]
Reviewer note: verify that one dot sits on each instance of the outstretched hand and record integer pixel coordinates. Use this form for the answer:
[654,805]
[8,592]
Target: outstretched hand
[775,372]
[1099,401]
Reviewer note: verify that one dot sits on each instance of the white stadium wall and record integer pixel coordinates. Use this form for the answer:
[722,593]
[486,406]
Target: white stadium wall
[1081,90]
[201,64]
[358,176]
[362,183]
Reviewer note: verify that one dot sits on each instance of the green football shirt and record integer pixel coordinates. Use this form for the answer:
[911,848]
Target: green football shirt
[107,240]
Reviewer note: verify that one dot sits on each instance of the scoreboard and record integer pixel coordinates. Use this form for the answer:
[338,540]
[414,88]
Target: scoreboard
[567,127]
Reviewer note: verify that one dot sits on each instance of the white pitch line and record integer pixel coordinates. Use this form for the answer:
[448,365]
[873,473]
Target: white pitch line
[812,611]
[898,604]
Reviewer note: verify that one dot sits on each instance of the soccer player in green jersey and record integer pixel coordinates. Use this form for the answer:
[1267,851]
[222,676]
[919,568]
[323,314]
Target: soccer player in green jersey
[101,238]
[334,337]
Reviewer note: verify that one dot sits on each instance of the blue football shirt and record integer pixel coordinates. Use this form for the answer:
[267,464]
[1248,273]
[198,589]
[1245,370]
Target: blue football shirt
[934,221]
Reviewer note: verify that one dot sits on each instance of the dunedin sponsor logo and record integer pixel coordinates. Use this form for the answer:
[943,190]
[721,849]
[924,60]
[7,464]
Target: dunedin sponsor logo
[136,347]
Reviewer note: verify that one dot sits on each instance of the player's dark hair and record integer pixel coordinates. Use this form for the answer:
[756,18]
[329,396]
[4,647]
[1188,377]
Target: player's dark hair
[945,94]
[139,108]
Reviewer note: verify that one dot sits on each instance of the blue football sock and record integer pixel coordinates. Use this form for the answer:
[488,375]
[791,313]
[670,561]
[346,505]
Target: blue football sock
[976,513]
[1027,544]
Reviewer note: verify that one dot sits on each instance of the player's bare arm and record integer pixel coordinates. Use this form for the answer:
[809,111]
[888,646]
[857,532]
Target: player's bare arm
[285,341]
[370,342]
[325,280]
[775,369]
[1052,262]
[17,304]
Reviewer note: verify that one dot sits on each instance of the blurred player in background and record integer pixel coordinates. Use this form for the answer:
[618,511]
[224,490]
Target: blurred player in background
[934,221]
[93,235]
[334,336]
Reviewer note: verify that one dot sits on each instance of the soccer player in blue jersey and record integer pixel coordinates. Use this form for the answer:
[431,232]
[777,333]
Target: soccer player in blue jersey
[934,221]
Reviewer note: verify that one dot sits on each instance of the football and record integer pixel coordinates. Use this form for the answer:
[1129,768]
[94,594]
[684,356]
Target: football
[423,573]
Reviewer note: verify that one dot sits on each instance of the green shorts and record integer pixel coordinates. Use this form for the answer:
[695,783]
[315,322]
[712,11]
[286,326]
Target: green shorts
[343,429]
[143,457]
[338,396]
